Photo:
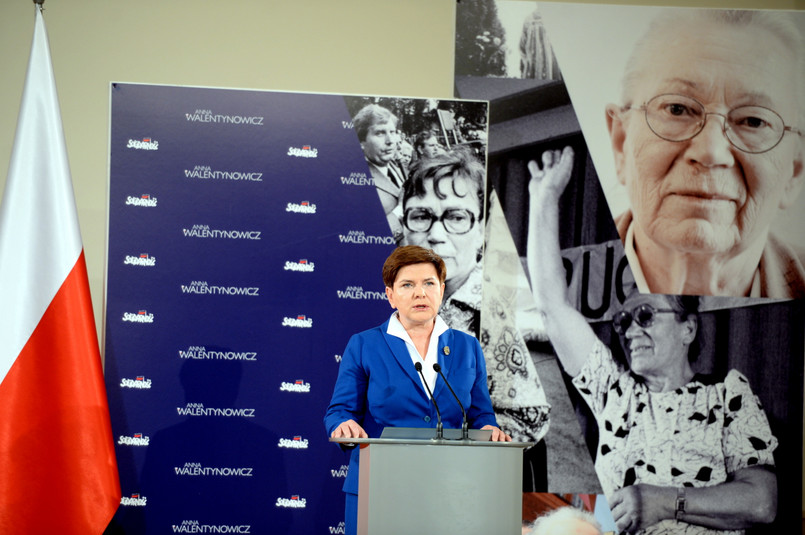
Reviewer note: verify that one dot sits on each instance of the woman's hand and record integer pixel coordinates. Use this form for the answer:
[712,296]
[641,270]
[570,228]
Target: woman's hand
[747,499]
[639,506]
[497,434]
[552,179]
[349,429]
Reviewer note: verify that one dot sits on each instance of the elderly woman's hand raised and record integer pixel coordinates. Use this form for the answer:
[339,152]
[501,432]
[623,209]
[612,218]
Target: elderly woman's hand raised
[554,175]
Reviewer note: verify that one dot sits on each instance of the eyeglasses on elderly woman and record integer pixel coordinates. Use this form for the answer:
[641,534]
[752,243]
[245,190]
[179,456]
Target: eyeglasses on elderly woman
[642,315]
[752,129]
[455,221]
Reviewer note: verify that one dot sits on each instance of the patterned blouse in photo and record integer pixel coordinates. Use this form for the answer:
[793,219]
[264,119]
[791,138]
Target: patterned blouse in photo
[694,436]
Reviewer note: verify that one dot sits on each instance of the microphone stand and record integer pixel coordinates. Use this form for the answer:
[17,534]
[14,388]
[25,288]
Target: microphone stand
[465,424]
[439,427]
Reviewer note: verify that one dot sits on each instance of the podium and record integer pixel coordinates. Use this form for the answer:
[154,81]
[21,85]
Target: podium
[411,482]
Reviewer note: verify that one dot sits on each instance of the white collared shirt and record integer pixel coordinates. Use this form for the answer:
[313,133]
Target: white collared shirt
[396,328]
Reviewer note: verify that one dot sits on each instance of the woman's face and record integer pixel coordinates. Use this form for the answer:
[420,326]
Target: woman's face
[416,294]
[662,347]
[459,251]
[704,195]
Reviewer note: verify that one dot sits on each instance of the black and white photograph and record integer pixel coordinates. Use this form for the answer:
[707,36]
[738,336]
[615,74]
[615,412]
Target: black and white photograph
[687,396]
[594,264]
[694,122]
[503,39]
[528,116]
[427,158]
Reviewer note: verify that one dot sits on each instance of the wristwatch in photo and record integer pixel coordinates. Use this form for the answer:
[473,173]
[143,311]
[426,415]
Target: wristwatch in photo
[679,508]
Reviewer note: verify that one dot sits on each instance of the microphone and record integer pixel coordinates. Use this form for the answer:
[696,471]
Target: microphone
[439,428]
[464,423]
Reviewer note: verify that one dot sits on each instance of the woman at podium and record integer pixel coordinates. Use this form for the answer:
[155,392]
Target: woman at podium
[387,378]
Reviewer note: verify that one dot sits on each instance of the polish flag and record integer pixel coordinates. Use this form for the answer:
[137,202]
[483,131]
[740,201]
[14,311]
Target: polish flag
[58,472]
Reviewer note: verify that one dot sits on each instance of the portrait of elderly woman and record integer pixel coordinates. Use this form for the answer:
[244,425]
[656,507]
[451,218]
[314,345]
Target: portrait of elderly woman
[706,144]
[442,204]
[678,452]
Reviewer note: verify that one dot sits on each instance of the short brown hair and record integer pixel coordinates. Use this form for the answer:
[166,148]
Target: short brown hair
[408,255]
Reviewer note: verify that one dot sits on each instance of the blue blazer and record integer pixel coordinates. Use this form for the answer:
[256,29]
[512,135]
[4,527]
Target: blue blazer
[379,387]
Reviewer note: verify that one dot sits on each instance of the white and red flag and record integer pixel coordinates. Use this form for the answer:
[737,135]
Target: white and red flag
[58,472]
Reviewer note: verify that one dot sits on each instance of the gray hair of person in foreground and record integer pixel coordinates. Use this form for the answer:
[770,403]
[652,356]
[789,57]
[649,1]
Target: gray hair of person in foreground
[561,521]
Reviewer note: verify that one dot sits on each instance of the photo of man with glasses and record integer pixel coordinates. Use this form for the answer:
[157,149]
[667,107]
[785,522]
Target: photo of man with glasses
[707,141]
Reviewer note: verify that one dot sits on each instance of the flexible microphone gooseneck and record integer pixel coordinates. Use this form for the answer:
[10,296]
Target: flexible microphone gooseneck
[439,428]
[465,424]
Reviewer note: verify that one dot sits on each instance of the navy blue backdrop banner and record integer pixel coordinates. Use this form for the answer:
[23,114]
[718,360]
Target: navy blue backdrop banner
[246,241]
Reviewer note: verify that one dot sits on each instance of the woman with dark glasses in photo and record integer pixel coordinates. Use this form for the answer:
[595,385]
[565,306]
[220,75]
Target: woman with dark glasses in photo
[677,453]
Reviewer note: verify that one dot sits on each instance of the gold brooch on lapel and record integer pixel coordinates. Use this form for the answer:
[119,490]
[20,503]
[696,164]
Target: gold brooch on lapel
[446,350]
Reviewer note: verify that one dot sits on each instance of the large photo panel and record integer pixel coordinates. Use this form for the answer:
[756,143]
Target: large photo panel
[538,121]
[693,118]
